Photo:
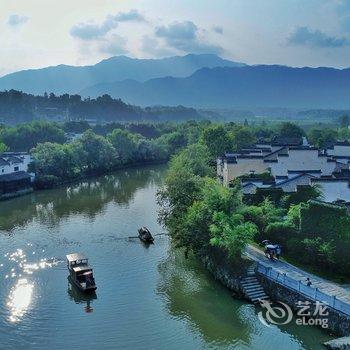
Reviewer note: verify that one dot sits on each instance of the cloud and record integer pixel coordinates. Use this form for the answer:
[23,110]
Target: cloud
[92,31]
[132,15]
[153,47]
[218,29]
[315,38]
[16,20]
[184,36]
[115,45]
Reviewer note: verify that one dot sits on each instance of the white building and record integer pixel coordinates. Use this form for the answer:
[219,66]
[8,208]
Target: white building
[11,162]
[291,166]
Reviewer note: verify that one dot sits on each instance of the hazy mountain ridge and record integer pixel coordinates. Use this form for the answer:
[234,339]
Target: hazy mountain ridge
[239,87]
[72,79]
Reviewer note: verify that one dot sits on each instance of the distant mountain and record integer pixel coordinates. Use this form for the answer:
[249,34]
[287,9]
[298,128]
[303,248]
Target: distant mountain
[70,79]
[239,87]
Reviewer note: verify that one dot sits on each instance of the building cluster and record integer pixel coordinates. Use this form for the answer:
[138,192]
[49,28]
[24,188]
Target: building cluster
[14,175]
[288,164]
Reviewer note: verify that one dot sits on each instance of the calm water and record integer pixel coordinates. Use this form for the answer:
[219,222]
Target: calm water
[147,298]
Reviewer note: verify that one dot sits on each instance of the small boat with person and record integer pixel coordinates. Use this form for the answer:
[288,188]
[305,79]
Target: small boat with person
[145,235]
[80,273]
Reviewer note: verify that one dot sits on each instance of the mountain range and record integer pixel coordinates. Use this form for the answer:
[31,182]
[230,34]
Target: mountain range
[72,79]
[239,87]
[205,81]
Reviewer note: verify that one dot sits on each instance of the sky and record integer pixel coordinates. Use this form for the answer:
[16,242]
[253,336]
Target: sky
[40,33]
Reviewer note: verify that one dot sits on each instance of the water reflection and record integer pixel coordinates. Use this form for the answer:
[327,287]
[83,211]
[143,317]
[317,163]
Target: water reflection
[190,294]
[81,298]
[19,299]
[88,198]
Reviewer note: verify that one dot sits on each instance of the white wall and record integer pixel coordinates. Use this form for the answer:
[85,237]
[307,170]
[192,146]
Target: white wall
[9,169]
[302,160]
[242,167]
[335,190]
[340,151]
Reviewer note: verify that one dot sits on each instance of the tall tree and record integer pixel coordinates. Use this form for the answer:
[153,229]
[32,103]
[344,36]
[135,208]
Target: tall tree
[217,139]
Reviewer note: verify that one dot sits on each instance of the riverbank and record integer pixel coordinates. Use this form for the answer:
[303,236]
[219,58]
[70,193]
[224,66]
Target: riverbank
[41,184]
[218,264]
[48,183]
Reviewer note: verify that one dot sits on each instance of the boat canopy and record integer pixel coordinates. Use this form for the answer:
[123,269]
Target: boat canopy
[82,268]
[76,257]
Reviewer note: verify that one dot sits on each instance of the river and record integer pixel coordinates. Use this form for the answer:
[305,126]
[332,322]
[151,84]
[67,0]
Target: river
[147,297]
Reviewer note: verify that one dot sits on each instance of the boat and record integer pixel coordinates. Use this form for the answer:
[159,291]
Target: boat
[145,235]
[80,273]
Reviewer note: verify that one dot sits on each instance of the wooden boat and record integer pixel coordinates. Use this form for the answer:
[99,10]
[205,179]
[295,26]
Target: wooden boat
[145,236]
[80,272]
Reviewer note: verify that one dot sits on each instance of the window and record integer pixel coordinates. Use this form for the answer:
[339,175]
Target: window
[16,168]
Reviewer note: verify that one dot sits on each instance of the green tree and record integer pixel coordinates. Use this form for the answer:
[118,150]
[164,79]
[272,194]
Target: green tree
[243,137]
[124,143]
[3,147]
[344,121]
[61,161]
[231,233]
[322,138]
[217,139]
[99,152]
[26,136]
[290,130]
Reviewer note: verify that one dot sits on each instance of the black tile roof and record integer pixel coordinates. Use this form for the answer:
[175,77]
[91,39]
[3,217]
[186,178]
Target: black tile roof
[287,141]
[3,162]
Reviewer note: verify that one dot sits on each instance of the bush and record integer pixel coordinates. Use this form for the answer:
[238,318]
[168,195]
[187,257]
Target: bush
[46,181]
[280,232]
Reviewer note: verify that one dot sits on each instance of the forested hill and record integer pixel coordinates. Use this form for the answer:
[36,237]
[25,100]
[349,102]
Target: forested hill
[16,106]
[72,79]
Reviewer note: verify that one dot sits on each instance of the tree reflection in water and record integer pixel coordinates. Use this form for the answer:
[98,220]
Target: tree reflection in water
[88,198]
[191,294]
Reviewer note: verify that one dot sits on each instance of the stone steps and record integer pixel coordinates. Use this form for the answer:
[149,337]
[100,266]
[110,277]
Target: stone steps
[252,288]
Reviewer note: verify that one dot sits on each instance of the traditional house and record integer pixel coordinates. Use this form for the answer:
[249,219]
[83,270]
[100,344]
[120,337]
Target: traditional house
[14,176]
[292,164]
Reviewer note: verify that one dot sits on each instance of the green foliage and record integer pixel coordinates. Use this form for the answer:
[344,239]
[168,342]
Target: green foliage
[173,141]
[125,144]
[290,130]
[280,232]
[26,136]
[293,215]
[344,121]
[302,195]
[322,138]
[243,137]
[323,219]
[195,158]
[60,161]
[99,154]
[231,233]
[217,139]
[3,147]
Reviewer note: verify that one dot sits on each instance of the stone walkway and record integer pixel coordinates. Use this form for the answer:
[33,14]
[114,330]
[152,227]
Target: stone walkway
[322,284]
